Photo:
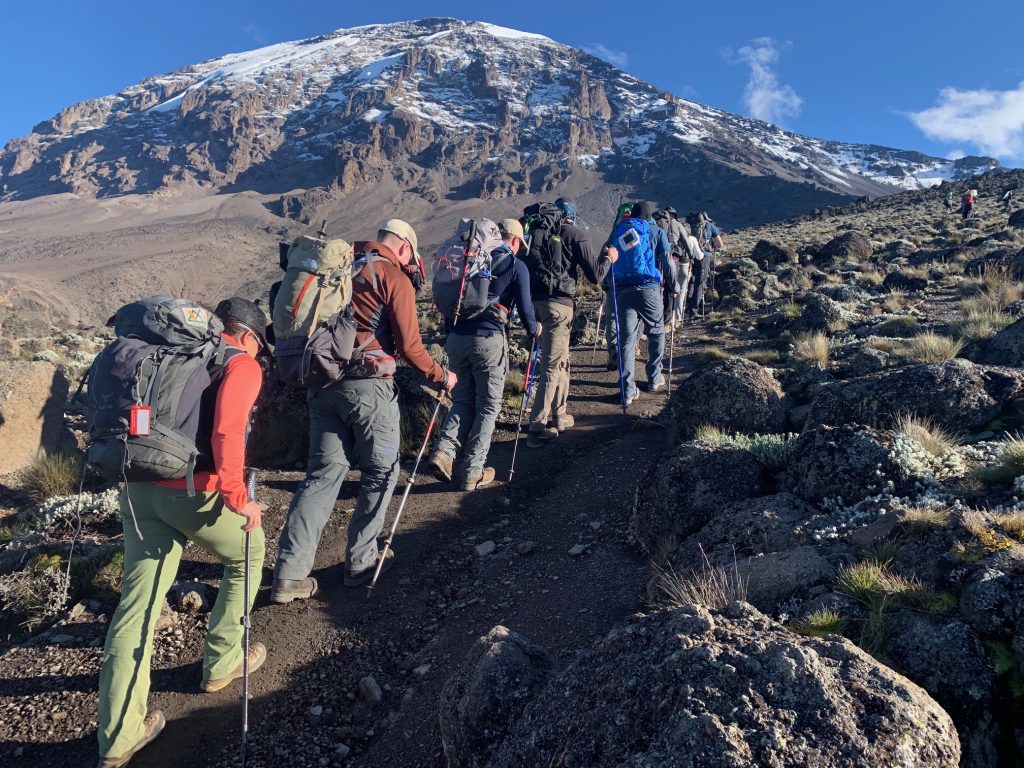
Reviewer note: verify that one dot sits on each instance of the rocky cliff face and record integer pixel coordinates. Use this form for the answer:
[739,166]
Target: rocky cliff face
[444,108]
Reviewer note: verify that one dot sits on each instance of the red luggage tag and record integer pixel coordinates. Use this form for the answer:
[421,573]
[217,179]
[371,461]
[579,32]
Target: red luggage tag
[138,424]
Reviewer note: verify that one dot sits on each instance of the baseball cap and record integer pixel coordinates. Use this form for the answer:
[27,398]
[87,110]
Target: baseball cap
[406,232]
[248,314]
[511,227]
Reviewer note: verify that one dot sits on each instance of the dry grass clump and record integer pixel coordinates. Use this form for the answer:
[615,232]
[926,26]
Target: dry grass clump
[515,386]
[791,310]
[932,437]
[979,325]
[51,475]
[767,357]
[995,296]
[930,347]
[982,527]
[712,587]
[895,301]
[900,326]
[820,623]
[889,345]
[1011,523]
[712,354]
[38,593]
[811,349]
[923,518]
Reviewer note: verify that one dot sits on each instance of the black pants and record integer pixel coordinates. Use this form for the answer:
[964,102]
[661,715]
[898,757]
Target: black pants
[702,272]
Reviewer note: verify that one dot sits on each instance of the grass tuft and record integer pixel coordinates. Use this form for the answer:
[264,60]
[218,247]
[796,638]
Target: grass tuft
[767,357]
[899,326]
[929,347]
[923,518]
[51,475]
[712,586]
[979,325]
[811,349]
[926,433]
[819,623]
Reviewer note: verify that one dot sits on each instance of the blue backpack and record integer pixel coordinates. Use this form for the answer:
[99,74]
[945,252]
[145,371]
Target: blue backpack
[636,264]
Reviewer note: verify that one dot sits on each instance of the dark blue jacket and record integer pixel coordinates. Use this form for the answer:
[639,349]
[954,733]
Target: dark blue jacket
[510,285]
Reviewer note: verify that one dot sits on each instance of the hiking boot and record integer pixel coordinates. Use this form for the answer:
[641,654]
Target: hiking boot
[613,364]
[152,726]
[485,478]
[257,655]
[365,575]
[542,437]
[442,464]
[631,398]
[657,385]
[564,422]
[286,590]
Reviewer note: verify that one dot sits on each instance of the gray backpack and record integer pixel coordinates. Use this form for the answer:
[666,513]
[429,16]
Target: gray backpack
[149,408]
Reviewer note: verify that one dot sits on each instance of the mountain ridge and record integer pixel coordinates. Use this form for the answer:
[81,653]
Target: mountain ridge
[448,109]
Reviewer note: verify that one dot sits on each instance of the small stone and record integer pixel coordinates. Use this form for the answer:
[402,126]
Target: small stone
[324,761]
[62,639]
[316,711]
[408,695]
[342,750]
[421,671]
[525,547]
[77,611]
[370,690]
[59,715]
[487,548]
[578,550]
[596,525]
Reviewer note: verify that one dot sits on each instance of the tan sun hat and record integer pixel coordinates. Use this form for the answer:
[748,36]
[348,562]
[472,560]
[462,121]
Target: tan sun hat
[511,227]
[403,230]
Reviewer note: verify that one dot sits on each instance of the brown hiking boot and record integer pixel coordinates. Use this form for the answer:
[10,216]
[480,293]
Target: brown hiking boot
[152,726]
[286,590]
[442,464]
[365,575]
[257,655]
[472,483]
[565,422]
[540,438]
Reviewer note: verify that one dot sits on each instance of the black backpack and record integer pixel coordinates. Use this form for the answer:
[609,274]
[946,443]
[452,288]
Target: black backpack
[698,229]
[149,408]
[546,259]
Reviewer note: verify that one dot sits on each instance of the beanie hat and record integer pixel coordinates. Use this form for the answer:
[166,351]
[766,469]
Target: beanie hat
[567,207]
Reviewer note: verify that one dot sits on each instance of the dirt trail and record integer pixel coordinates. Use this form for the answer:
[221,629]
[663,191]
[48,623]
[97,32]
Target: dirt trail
[440,596]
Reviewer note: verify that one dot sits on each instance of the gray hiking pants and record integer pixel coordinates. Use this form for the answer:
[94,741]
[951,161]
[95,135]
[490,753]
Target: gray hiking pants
[481,363]
[355,422]
[641,305]
[553,378]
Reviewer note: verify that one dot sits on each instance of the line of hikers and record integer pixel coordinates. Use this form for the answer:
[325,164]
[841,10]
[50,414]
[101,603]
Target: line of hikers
[170,399]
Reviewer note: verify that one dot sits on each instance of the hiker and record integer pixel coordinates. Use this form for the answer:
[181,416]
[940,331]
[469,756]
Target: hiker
[611,331]
[477,350]
[949,200]
[709,241]
[160,518]
[557,250]
[355,420]
[967,204]
[645,263]
[1008,199]
[678,237]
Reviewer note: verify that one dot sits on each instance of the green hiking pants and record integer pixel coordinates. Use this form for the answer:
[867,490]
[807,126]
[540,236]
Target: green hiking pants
[168,519]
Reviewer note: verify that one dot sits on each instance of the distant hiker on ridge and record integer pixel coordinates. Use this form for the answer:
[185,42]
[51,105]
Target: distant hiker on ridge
[967,204]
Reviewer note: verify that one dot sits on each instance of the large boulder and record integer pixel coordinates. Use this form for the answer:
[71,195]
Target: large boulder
[735,395]
[32,400]
[1007,346]
[695,688]
[946,658]
[820,313]
[500,674]
[850,462]
[957,394]
[849,246]
[685,490]
[1017,219]
[769,255]
[901,281]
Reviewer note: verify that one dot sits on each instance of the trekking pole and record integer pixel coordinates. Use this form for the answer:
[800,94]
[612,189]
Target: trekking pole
[530,379]
[465,270]
[441,398]
[250,487]
[618,341]
[671,358]
[597,331]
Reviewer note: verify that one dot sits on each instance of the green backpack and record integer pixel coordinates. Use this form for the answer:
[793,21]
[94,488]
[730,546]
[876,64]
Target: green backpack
[317,284]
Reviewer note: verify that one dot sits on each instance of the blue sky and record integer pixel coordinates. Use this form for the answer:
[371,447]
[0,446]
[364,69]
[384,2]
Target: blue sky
[941,77]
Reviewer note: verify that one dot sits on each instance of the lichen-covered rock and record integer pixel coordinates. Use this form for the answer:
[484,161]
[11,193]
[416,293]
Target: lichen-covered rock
[735,395]
[821,313]
[1007,346]
[500,674]
[32,399]
[693,688]
[946,658]
[849,246]
[957,394]
[685,490]
[992,601]
[849,462]
[900,281]
[769,255]
[1017,219]
[774,577]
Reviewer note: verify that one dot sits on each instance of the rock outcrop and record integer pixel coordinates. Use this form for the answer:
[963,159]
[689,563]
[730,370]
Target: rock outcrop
[735,395]
[32,399]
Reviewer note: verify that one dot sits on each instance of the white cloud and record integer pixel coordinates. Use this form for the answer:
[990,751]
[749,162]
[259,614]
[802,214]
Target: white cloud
[955,154]
[765,97]
[992,121]
[618,58]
